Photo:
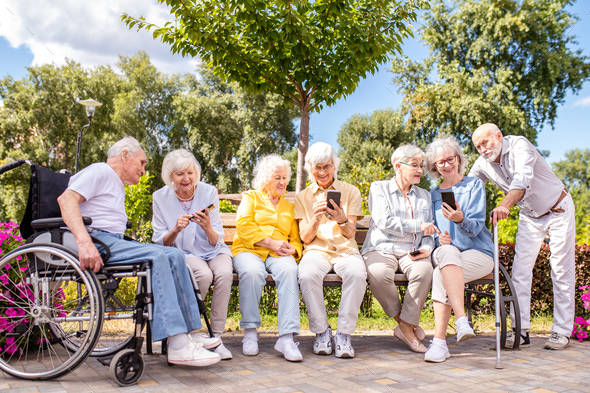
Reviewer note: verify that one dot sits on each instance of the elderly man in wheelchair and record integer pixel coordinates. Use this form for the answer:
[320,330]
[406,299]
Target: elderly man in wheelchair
[99,192]
[38,276]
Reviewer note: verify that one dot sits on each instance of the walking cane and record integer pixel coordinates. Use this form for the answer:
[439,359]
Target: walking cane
[497,290]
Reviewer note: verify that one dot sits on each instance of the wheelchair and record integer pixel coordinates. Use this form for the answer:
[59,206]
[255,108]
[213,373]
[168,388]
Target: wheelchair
[53,315]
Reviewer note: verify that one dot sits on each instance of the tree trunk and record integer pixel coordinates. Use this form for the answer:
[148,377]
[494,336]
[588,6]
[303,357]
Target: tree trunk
[302,149]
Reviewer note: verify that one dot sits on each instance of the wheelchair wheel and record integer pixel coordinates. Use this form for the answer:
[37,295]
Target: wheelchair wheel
[124,370]
[40,318]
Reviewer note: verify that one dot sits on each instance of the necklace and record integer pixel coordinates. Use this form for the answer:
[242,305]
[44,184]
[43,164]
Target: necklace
[183,199]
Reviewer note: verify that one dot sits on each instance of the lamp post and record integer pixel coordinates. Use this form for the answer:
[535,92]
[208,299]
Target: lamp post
[90,109]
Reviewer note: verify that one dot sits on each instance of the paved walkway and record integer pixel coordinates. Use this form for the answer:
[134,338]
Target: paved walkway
[382,364]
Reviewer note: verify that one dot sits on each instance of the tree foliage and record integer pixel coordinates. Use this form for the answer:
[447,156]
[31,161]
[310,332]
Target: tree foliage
[224,126]
[309,52]
[508,62]
[363,139]
[574,171]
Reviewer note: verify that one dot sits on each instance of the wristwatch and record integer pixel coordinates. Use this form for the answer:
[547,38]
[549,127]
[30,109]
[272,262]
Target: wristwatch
[344,223]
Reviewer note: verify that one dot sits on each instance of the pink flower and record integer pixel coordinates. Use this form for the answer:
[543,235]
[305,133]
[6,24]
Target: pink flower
[42,340]
[7,266]
[581,335]
[581,321]
[10,346]
[5,279]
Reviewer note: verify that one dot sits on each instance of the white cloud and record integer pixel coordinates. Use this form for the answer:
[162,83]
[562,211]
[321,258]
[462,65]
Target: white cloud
[584,101]
[88,32]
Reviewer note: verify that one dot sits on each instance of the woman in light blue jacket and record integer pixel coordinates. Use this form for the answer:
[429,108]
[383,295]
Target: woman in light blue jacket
[465,249]
[186,216]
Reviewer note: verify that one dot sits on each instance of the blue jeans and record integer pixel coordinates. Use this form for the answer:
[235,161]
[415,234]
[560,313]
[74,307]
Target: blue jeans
[175,305]
[252,271]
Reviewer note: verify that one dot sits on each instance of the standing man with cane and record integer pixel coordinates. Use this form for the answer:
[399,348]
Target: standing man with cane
[546,207]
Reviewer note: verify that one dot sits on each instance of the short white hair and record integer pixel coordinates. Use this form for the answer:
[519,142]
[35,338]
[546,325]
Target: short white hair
[405,153]
[266,167]
[320,153]
[129,143]
[179,160]
[440,146]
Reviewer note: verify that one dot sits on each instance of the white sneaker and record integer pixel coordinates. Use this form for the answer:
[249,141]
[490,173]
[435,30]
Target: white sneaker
[208,342]
[464,332]
[250,345]
[437,353]
[289,349]
[343,346]
[323,343]
[557,341]
[193,355]
[223,352]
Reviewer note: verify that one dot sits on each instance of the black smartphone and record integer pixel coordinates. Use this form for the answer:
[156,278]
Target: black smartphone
[414,253]
[335,196]
[449,198]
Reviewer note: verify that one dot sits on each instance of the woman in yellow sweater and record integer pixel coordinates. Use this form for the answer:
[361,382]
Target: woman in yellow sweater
[267,240]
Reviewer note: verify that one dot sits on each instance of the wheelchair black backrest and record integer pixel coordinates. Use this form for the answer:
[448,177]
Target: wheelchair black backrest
[46,186]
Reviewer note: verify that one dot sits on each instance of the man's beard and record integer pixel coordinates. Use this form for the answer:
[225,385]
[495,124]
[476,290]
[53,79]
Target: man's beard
[494,153]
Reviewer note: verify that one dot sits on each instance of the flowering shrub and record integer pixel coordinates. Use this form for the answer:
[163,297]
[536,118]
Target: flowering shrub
[580,324]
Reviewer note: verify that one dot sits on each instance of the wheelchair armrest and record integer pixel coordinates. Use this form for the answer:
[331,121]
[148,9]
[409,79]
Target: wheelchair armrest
[57,222]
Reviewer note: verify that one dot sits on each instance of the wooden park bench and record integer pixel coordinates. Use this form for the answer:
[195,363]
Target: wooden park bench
[362,226]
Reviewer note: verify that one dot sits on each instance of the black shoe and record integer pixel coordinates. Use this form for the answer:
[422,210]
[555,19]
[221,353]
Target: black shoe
[525,341]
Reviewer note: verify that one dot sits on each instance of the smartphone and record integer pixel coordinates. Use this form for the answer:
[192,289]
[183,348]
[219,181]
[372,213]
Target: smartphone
[414,253]
[210,207]
[449,198]
[335,196]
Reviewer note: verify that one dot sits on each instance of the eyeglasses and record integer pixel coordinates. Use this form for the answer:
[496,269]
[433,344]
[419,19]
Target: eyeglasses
[451,160]
[414,166]
[324,168]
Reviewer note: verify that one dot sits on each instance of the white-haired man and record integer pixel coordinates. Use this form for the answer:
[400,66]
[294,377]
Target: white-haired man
[329,243]
[98,192]
[546,207]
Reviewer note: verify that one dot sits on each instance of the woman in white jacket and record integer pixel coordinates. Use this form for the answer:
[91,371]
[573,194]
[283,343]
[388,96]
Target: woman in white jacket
[186,216]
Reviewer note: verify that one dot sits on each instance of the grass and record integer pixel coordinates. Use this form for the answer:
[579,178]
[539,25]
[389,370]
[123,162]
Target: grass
[379,321]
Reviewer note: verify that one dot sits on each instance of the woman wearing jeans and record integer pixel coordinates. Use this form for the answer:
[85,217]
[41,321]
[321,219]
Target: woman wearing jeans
[267,240]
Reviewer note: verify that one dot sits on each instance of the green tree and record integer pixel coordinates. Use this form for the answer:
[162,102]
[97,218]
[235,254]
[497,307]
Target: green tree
[508,62]
[574,171]
[364,139]
[228,129]
[309,52]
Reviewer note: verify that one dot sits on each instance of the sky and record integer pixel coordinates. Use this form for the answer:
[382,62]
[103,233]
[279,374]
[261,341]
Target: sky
[91,33]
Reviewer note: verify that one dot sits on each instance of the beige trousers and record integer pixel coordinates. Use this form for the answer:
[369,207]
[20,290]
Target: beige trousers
[312,269]
[475,264]
[381,269]
[218,271]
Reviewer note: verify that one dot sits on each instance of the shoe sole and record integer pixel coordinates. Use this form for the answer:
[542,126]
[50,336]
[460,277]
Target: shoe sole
[278,349]
[196,363]
[345,355]
[465,337]
[323,352]
[437,361]
[552,348]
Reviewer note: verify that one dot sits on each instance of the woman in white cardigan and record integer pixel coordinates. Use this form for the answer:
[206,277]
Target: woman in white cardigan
[186,216]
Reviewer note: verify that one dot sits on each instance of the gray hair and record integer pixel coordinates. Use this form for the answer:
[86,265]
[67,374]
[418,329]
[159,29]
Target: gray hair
[320,153]
[266,167]
[439,146]
[178,160]
[405,153]
[128,143]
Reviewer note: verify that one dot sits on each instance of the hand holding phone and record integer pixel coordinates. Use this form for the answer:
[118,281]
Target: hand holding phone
[335,196]
[414,253]
[449,198]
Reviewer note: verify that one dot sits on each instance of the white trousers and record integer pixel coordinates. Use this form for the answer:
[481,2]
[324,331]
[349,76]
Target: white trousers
[312,270]
[561,228]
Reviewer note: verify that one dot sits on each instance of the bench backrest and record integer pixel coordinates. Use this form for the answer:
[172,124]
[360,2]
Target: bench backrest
[229,226]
